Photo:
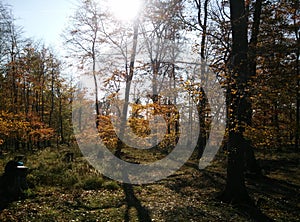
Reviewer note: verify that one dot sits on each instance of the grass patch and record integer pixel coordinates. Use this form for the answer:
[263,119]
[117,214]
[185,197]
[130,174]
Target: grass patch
[111,185]
[92,183]
[66,191]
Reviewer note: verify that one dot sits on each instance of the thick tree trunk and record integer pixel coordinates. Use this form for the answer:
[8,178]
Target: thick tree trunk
[239,104]
[235,190]
[202,139]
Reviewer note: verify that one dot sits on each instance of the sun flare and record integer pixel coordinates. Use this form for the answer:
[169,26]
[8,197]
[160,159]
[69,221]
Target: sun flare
[125,10]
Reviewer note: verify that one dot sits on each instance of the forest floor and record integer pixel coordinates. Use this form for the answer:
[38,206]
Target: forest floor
[73,191]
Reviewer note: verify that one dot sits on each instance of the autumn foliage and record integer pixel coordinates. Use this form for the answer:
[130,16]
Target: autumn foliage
[34,98]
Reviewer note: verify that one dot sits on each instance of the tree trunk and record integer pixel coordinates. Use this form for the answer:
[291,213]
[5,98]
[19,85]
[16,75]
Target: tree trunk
[297,34]
[251,163]
[61,121]
[52,98]
[95,81]
[202,103]
[235,190]
[297,134]
[127,90]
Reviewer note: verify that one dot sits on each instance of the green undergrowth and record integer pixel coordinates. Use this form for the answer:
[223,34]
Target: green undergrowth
[61,190]
[49,168]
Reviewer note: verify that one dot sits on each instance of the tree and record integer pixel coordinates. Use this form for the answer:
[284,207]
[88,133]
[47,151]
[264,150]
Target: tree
[274,83]
[235,190]
[30,80]
[129,75]
[83,37]
[295,25]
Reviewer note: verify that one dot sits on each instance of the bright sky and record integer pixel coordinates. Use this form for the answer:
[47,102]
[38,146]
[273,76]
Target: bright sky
[42,19]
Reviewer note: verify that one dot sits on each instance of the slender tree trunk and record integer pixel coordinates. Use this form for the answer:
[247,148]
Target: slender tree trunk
[36,102]
[14,72]
[60,118]
[127,90]
[204,29]
[297,33]
[254,37]
[297,134]
[202,100]
[52,98]
[95,82]
[251,163]
[201,106]
[155,97]
[42,102]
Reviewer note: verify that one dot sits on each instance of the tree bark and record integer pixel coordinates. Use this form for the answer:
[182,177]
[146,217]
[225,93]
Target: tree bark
[127,90]
[202,103]
[235,190]
[251,163]
[297,34]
